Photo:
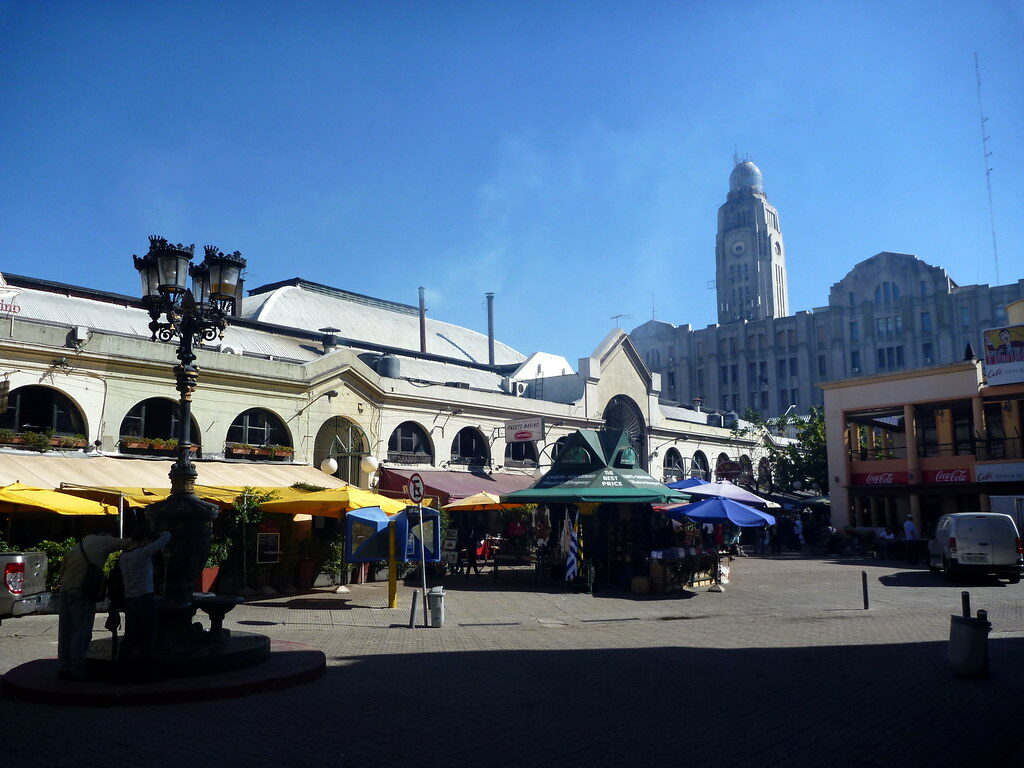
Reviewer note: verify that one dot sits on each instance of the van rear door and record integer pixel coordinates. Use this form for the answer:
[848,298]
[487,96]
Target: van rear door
[974,540]
[1004,540]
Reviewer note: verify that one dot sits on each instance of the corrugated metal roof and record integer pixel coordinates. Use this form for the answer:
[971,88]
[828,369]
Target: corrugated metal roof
[684,414]
[431,370]
[371,321]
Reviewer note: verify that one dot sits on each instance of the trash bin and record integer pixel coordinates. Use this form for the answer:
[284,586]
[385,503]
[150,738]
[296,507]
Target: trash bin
[968,644]
[435,603]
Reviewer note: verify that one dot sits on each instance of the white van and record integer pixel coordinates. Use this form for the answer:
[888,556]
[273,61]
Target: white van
[977,542]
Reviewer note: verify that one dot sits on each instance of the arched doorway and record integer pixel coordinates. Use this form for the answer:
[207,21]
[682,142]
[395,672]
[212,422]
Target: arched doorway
[521,455]
[40,409]
[746,471]
[623,413]
[699,467]
[557,447]
[673,466]
[340,439]
[764,475]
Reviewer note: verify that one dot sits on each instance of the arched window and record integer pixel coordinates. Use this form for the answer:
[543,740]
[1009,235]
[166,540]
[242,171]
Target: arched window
[154,427]
[340,439]
[259,434]
[746,471]
[410,444]
[700,467]
[469,447]
[673,466]
[558,447]
[623,413]
[36,408]
[764,475]
[521,454]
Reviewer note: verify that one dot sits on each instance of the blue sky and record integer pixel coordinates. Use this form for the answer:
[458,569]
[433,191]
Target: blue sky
[569,156]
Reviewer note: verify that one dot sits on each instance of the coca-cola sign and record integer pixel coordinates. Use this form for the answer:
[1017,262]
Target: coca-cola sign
[956,475]
[880,478]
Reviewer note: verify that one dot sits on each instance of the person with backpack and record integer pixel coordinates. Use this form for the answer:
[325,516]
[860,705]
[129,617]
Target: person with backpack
[80,588]
[140,601]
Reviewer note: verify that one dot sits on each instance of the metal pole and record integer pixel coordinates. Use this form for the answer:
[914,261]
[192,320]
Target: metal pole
[392,567]
[120,515]
[965,604]
[864,587]
[423,564]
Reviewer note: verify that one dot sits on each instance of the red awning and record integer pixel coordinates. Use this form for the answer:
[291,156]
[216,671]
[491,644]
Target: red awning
[453,485]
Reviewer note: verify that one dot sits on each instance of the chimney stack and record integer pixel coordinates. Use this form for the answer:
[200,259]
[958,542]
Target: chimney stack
[490,327]
[696,404]
[423,321]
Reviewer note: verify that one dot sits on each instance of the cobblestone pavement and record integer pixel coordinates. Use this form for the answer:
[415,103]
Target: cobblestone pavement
[783,668]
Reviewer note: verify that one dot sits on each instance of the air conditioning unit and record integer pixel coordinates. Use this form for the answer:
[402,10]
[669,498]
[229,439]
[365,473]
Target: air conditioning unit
[519,388]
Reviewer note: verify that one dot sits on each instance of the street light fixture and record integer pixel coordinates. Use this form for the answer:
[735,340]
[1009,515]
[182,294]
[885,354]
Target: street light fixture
[188,317]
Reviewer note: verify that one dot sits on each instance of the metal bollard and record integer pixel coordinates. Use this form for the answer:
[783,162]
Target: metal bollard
[864,586]
[412,608]
[965,603]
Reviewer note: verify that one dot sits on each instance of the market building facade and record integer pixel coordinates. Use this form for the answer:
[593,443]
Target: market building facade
[306,372]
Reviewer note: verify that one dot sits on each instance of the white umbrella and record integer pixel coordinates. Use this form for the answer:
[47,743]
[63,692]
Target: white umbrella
[723,489]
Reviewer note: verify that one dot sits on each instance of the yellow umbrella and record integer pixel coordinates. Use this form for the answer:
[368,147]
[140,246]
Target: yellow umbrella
[334,503]
[480,502]
[20,496]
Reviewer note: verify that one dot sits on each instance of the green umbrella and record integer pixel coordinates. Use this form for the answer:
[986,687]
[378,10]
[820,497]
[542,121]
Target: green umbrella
[596,467]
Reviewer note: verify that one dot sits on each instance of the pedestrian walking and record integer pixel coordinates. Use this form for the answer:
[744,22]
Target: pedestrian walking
[140,602]
[80,587]
[798,534]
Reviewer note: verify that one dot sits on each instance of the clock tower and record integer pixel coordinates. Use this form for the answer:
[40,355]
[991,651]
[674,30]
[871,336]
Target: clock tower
[749,252]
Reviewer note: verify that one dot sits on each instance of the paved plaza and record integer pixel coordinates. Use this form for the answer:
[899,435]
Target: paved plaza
[783,668]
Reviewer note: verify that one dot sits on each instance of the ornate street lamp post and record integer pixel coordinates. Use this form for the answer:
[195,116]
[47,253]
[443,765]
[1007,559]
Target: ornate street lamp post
[191,317]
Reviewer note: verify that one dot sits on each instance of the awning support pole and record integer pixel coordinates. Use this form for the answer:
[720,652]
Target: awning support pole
[392,567]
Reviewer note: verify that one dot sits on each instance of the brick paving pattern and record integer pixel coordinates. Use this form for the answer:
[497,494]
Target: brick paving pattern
[783,668]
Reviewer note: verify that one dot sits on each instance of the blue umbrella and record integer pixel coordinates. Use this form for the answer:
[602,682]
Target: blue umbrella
[689,482]
[718,511]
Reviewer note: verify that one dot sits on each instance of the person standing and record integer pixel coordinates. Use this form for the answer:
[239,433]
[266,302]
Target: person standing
[140,601]
[77,607]
[798,533]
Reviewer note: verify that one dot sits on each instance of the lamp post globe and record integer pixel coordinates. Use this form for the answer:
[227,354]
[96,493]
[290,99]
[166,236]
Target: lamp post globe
[369,464]
[329,465]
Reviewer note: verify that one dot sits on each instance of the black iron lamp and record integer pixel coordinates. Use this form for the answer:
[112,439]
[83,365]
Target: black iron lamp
[188,317]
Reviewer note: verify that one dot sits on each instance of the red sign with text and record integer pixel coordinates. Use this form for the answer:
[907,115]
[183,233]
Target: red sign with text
[947,476]
[880,478]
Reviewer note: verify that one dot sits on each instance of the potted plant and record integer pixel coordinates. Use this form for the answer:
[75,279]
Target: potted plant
[9,437]
[280,451]
[133,443]
[261,450]
[69,441]
[219,550]
[237,449]
[38,441]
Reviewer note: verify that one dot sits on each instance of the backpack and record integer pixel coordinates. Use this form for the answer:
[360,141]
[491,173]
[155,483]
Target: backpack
[93,583]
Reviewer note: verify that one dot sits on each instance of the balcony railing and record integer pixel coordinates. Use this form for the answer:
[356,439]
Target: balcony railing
[403,457]
[878,453]
[958,448]
[999,448]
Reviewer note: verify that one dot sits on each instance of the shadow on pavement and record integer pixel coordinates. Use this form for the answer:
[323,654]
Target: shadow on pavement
[522,579]
[877,705]
[928,579]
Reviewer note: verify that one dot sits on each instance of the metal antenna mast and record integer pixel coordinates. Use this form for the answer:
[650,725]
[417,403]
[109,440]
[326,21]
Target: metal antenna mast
[988,171]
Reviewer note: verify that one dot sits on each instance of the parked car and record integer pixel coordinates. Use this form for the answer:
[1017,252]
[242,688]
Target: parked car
[977,542]
[24,586]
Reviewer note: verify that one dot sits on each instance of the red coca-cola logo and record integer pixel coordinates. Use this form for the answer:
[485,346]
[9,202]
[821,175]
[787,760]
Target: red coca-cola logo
[951,476]
[880,478]
[523,435]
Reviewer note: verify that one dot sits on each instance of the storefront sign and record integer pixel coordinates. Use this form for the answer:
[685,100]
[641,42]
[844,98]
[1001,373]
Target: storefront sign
[524,430]
[880,478]
[947,476]
[1011,472]
[1004,354]
[728,470]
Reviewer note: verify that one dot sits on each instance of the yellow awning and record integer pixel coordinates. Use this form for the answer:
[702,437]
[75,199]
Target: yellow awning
[479,502]
[17,498]
[335,503]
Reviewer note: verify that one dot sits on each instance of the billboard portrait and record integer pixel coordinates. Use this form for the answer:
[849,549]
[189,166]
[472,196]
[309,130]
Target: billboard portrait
[1004,354]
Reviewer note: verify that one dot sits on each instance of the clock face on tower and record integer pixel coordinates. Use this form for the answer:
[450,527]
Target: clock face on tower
[738,248]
